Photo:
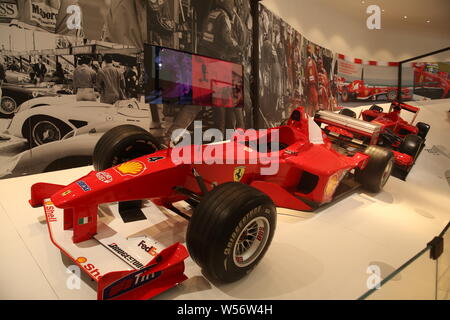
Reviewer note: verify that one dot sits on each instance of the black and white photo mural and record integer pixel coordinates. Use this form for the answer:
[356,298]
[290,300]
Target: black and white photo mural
[293,71]
[56,100]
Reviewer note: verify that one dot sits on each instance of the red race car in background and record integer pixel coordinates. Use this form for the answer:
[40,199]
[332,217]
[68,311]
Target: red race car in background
[357,90]
[388,130]
[234,202]
[427,76]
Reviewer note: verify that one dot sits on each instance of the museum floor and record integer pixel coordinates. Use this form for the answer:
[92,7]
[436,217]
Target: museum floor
[321,255]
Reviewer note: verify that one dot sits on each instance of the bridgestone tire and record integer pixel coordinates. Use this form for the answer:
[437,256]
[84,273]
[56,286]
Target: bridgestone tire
[231,230]
[423,129]
[121,144]
[348,112]
[411,145]
[377,171]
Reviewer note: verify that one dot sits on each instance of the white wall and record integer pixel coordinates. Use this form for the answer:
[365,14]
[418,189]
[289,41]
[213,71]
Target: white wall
[348,34]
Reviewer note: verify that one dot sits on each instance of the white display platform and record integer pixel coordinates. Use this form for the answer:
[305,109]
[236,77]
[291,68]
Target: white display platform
[322,255]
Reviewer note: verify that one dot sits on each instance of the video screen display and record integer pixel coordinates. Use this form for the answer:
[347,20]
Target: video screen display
[177,77]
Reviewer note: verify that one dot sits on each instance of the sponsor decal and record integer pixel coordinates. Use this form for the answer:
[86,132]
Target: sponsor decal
[332,184]
[8,10]
[104,177]
[81,260]
[65,193]
[154,159]
[43,15]
[49,210]
[149,249]
[238,174]
[132,168]
[131,282]
[89,267]
[83,185]
[125,256]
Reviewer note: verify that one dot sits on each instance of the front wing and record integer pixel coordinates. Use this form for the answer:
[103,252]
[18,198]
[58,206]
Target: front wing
[113,262]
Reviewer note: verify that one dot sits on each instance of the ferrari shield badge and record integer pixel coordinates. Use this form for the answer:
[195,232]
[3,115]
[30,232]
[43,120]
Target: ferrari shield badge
[238,173]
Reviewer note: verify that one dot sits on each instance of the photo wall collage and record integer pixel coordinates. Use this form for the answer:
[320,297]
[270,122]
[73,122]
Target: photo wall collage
[173,62]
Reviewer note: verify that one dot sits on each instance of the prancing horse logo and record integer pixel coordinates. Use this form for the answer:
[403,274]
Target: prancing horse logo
[238,173]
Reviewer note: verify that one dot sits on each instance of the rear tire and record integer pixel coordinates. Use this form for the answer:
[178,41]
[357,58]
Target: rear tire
[423,129]
[391,95]
[121,144]
[348,112]
[345,95]
[231,230]
[377,171]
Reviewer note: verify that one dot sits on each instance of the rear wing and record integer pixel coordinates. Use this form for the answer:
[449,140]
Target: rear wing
[406,107]
[352,125]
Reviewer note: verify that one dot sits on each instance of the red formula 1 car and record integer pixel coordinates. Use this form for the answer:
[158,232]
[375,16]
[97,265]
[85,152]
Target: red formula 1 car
[357,90]
[234,195]
[388,130]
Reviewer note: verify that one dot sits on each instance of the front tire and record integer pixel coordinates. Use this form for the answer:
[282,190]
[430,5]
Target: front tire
[231,230]
[121,144]
[41,130]
[411,145]
[423,129]
[378,170]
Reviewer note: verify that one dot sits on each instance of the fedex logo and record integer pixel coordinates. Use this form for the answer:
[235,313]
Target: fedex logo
[149,249]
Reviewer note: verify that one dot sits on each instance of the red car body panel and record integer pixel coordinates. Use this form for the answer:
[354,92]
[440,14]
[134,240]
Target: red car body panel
[157,177]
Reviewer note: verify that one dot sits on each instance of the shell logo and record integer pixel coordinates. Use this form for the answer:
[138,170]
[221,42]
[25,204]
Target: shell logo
[132,168]
[81,260]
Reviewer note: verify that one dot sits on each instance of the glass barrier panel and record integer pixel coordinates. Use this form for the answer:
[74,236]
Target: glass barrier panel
[415,280]
[443,272]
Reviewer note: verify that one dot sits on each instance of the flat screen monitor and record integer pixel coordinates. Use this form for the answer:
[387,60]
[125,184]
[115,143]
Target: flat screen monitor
[178,77]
